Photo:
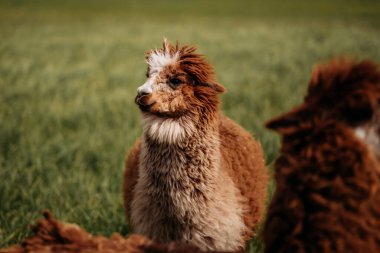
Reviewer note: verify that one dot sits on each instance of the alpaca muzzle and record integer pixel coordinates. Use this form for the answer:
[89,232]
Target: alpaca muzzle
[144,101]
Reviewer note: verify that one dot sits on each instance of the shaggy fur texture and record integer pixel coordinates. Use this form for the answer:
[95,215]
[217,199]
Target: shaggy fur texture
[196,176]
[328,175]
[51,235]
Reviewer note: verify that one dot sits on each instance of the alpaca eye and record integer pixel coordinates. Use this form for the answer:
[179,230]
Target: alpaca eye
[175,82]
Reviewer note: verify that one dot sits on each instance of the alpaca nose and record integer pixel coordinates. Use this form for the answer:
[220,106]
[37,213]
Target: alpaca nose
[142,93]
[145,89]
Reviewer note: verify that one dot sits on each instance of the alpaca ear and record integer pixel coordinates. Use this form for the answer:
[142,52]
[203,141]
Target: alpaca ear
[287,123]
[215,86]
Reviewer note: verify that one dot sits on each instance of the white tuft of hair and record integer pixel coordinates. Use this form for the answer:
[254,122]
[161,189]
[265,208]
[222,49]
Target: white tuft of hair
[158,59]
[360,133]
[369,136]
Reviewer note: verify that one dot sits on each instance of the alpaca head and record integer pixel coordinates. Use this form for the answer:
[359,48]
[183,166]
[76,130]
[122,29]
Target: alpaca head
[342,92]
[179,82]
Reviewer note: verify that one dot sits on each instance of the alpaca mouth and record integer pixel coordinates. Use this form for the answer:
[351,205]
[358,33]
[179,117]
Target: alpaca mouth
[144,102]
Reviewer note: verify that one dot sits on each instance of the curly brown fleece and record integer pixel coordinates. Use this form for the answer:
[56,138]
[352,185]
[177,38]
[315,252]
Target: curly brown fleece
[328,174]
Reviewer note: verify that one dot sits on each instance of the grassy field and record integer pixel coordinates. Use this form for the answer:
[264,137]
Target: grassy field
[69,71]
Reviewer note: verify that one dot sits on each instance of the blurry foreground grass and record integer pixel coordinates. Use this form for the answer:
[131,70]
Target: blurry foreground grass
[69,71]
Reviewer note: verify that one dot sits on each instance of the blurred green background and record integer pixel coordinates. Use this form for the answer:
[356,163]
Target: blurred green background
[69,72]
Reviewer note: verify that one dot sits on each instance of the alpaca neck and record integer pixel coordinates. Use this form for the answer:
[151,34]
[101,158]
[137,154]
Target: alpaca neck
[180,154]
[180,137]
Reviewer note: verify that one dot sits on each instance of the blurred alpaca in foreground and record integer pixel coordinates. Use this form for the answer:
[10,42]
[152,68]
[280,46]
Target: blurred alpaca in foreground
[53,236]
[196,176]
[328,174]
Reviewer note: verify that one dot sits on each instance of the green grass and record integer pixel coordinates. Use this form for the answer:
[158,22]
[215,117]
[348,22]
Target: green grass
[69,71]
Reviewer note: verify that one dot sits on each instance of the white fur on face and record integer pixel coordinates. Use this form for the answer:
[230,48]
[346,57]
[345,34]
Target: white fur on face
[167,130]
[157,61]
[146,87]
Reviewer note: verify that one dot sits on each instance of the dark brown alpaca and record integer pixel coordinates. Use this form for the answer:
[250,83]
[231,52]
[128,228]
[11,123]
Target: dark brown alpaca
[328,174]
[195,176]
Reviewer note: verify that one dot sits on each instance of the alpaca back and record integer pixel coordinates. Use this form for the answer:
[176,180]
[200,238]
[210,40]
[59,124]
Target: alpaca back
[243,160]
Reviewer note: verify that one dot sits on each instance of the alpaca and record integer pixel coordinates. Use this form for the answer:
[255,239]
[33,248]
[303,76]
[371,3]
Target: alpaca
[195,176]
[328,174]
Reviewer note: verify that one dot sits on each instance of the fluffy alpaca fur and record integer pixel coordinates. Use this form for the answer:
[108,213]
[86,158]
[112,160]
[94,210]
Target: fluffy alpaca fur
[196,176]
[328,175]
[51,235]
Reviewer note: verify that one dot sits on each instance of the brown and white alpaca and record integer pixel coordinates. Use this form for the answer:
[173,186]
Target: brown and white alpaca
[328,174]
[196,176]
